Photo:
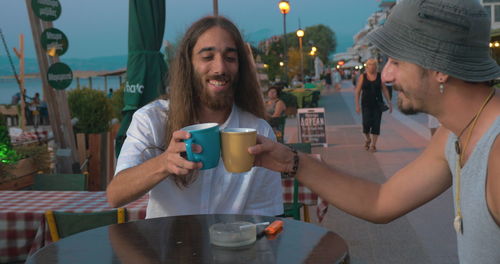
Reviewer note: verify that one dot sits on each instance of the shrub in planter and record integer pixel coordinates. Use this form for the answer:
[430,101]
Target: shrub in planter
[38,153]
[92,108]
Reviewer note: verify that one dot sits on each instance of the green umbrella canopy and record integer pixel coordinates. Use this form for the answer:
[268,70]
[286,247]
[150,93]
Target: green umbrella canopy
[145,65]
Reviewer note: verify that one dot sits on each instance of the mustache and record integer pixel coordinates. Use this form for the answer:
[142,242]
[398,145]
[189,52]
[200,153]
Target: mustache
[396,87]
[219,77]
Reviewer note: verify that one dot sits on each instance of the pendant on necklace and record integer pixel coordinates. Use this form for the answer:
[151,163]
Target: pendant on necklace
[457,223]
[457,147]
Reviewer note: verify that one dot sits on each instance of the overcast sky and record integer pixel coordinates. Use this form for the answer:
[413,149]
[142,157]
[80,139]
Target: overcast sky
[98,28]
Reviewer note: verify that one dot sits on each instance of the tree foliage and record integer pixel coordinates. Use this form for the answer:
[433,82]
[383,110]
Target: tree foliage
[320,36]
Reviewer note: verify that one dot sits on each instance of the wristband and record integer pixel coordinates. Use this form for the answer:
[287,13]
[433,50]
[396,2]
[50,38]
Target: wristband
[295,166]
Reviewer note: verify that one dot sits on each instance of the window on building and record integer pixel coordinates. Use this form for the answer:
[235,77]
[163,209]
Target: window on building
[497,13]
[491,1]
[488,9]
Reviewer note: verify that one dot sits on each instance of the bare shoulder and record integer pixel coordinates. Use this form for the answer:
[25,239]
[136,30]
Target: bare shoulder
[361,77]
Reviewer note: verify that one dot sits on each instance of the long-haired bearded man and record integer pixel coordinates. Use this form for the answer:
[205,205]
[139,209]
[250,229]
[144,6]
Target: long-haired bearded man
[212,80]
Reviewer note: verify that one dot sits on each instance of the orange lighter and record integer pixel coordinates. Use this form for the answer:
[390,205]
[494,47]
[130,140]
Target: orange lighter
[274,228]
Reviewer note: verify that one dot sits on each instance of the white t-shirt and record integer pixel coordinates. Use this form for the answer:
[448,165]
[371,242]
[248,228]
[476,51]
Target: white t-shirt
[215,191]
[432,122]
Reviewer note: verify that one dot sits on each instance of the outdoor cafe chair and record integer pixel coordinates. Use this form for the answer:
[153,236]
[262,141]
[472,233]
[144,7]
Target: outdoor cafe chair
[293,209]
[60,182]
[311,101]
[278,125]
[63,224]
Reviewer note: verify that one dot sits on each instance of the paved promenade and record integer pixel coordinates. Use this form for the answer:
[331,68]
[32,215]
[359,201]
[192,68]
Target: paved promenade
[425,235]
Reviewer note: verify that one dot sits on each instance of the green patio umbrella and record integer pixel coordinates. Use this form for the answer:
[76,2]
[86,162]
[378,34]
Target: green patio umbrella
[145,66]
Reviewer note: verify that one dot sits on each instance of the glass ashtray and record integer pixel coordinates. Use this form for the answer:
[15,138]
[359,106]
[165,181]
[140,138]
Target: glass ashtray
[233,234]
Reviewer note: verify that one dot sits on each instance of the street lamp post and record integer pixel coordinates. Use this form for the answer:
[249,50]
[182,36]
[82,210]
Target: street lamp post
[284,7]
[300,34]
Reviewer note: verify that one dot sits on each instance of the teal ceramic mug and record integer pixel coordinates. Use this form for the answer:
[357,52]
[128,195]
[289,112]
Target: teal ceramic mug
[207,135]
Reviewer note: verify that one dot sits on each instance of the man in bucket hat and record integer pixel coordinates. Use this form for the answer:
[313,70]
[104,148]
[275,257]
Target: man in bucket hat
[439,63]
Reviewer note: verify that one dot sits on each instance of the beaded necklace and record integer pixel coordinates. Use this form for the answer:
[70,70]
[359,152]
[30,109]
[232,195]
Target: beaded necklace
[457,223]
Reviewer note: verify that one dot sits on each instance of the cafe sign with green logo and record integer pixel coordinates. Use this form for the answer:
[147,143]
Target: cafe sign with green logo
[46,10]
[59,76]
[54,42]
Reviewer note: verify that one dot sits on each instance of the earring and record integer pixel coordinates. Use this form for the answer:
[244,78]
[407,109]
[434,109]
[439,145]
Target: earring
[441,88]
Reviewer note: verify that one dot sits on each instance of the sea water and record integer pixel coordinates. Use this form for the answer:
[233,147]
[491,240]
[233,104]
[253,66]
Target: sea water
[9,87]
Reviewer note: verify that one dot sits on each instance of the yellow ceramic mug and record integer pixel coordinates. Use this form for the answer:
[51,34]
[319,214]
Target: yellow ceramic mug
[235,143]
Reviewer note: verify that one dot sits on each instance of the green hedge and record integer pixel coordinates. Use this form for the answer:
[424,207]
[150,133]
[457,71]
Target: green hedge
[92,108]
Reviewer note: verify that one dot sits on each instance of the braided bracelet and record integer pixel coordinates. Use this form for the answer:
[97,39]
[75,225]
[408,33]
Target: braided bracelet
[295,164]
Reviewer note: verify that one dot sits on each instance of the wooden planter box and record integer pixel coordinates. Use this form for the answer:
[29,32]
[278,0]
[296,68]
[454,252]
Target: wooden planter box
[22,175]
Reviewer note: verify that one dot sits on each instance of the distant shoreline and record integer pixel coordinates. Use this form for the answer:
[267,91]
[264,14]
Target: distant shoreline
[30,76]
[76,74]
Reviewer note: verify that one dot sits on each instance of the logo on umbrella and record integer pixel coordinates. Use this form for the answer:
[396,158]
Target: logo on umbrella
[134,88]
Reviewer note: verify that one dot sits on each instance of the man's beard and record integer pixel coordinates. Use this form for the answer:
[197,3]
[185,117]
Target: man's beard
[222,101]
[407,110]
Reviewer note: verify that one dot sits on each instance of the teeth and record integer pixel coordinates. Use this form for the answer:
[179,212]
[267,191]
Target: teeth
[217,83]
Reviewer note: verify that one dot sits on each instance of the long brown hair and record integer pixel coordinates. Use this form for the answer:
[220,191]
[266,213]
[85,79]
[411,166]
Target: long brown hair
[182,84]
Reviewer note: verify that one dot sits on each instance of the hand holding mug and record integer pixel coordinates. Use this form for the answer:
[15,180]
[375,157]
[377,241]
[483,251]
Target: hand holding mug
[206,135]
[175,163]
[271,155]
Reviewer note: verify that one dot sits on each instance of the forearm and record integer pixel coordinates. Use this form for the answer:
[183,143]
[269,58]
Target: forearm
[353,195]
[356,98]
[132,183]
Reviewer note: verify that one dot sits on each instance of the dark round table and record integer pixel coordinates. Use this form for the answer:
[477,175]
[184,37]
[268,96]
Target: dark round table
[185,239]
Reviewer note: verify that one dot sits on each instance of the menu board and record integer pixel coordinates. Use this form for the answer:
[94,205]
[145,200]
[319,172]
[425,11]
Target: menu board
[312,126]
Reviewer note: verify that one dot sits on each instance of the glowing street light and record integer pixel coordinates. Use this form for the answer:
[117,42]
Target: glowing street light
[313,51]
[284,7]
[300,35]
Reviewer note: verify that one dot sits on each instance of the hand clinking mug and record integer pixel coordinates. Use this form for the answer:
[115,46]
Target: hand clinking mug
[207,135]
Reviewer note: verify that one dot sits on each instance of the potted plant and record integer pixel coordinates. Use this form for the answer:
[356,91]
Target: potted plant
[19,164]
[93,110]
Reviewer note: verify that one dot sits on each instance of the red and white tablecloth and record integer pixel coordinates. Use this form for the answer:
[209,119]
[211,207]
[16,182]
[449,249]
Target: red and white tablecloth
[306,197]
[22,222]
[29,137]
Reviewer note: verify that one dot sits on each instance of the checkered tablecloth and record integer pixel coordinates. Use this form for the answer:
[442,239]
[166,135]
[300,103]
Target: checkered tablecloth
[22,222]
[29,137]
[306,197]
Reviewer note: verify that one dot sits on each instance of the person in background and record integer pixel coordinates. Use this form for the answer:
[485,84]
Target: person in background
[337,78]
[110,93]
[212,80]
[448,76]
[328,78]
[275,107]
[275,112]
[370,89]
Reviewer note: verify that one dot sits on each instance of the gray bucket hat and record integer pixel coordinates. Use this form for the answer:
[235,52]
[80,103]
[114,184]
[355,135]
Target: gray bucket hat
[450,36]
